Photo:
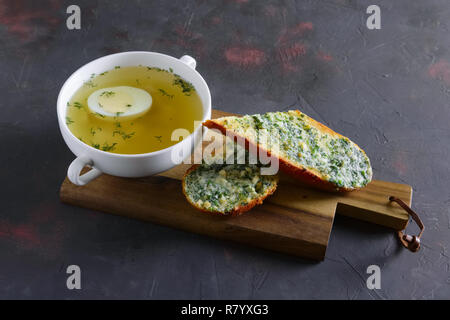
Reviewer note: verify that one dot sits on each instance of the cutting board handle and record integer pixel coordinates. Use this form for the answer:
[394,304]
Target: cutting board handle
[412,243]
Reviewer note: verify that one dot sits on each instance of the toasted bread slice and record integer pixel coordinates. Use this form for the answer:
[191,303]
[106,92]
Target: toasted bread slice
[227,189]
[305,148]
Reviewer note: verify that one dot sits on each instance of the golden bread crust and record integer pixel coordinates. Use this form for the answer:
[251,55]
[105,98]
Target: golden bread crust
[305,175]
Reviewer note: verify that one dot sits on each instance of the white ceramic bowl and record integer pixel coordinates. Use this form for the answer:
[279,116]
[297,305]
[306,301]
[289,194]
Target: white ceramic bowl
[125,165]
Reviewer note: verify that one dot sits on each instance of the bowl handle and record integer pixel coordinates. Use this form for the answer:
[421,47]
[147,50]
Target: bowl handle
[189,61]
[73,173]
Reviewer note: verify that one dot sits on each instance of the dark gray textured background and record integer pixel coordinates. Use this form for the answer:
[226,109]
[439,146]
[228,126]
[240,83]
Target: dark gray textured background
[388,90]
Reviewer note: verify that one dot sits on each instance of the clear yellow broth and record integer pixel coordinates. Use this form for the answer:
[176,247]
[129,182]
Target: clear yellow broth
[175,105]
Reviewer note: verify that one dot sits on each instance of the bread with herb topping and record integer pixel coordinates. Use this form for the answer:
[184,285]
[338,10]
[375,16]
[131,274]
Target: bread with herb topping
[227,189]
[305,148]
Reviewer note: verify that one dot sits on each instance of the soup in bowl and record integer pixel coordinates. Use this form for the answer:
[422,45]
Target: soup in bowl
[132,114]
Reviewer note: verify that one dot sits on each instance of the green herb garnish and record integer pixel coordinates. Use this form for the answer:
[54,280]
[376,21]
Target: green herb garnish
[159,138]
[164,93]
[69,121]
[107,147]
[90,83]
[186,86]
[107,94]
[123,134]
[116,132]
[127,135]
[77,105]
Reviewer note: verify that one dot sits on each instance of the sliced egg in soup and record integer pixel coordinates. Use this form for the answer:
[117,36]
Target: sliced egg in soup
[122,101]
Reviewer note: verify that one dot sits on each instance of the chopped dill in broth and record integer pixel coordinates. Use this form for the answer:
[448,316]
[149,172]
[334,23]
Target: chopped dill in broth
[175,105]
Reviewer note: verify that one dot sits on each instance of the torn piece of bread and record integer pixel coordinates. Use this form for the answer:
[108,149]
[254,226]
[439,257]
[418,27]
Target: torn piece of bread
[305,148]
[227,189]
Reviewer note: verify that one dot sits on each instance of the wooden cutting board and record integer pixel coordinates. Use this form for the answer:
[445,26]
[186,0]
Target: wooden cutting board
[296,220]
